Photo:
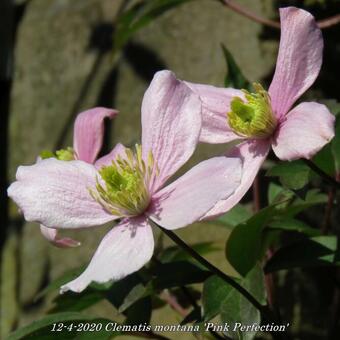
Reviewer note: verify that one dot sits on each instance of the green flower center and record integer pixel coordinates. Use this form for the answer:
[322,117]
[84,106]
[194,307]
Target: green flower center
[62,154]
[253,117]
[123,188]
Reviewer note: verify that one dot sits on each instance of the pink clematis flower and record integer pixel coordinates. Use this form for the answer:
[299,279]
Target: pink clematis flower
[87,141]
[131,186]
[263,120]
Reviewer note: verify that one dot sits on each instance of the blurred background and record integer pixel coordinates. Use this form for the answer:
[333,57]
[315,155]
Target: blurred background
[59,57]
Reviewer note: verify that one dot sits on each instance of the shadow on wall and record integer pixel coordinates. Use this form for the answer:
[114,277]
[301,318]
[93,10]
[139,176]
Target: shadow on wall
[11,16]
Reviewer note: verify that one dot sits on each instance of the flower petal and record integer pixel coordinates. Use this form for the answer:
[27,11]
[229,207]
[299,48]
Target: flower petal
[56,194]
[191,196]
[215,106]
[171,123]
[252,153]
[118,150]
[305,130]
[124,250]
[89,131]
[299,60]
[51,235]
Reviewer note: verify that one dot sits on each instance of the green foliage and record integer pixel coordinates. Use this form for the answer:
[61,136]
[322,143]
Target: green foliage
[175,253]
[221,299]
[235,216]
[314,251]
[277,193]
[186,273]
[335,145]
[247,235]
[291,224]
[250,234]
[140,15]
[234,77]
[293,175]
[325,160]
[76,302]
[41,329]
[56,284]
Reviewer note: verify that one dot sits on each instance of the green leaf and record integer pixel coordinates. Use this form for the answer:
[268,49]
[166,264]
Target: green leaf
[41,329]
[313,197]
[56,284]
[293,175]
[235,216]
[75,302]
[236,308]
[324,159]
[291,224]
[220,298]
[186,273]
[139,312]
[249,235]
[315,251]
[125,293]
[244,244]
[215,290]
[279,195]
[136,293]
[234,77]
[139,16]
[175,253]
[335,145]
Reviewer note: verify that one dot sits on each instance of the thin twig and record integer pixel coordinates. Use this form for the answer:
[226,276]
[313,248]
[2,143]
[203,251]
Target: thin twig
[267,314]
[324,23]
[211,267]
[250,15]
[329,22]
[322,174]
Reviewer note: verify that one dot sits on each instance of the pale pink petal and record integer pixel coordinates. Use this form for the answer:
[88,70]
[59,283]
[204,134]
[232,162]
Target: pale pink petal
[89,131]
[118,150]
[215,106]
[191,196]
[252,153]
[299,60]
[171,123]
[51,235]
[305,130]
[124,250]
[56,194]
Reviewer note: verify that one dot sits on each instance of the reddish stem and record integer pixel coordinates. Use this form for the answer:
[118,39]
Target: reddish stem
[233,5]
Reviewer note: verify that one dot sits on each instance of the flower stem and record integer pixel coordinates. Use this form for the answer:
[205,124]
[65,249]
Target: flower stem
[322,174]
[266,313]
[212,268]
[234,6]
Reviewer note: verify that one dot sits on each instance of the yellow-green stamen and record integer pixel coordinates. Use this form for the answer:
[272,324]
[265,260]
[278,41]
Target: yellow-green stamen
[62,154]
[65,154]
[123,187]
[254,117]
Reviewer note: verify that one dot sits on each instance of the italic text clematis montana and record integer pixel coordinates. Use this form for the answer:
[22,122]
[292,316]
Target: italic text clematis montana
[262,119]
[87,141]
[130,186]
